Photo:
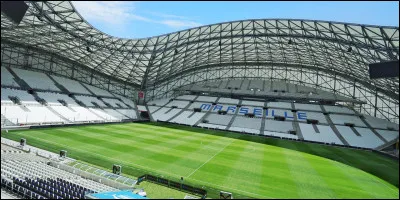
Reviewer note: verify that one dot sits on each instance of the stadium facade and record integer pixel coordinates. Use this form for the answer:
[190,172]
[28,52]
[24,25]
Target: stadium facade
[329,56]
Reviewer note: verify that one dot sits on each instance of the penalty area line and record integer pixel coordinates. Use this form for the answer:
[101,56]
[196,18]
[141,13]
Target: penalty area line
[154,170]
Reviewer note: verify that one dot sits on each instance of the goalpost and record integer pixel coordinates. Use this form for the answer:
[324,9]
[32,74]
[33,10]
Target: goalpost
[225,195]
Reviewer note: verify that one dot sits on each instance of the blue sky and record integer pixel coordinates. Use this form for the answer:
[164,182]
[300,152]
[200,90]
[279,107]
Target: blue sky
[145,19]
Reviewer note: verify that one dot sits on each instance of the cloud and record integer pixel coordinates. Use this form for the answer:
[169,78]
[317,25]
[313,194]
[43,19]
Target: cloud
[163,15]
[117,14]
[109,12]
[180,23]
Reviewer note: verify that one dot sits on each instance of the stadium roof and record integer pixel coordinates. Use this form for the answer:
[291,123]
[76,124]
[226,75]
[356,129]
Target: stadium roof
[330,47]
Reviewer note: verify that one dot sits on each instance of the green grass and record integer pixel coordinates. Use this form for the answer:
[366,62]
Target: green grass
[247,166]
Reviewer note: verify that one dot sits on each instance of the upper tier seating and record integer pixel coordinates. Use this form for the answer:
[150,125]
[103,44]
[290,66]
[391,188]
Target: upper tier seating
[233,84]
[71,85]
[206,99]
[342,119]
[179,104]
[279,86]
[126,100]
[278,126]
[213,84]
[7,79]
[338,109]
[245,84]
[188,117]
[305,89]
[228,101]
[98,91]
[300,106]
[115,114]
[230,109]
[316,116]
[388,135]
[246,122]
[272,112]
[186,97]
[52,98]
[114,102]
[325,134]
[257,111]
[128,112]
[4,95]
[380,123]
[219,119]
[153,108]
[253,103]
[367,139]
[165,114]
[141,108]
[36,79]
[279,105]
[88,100]
[158,102]
[197,105]
[256,84]
[22,95]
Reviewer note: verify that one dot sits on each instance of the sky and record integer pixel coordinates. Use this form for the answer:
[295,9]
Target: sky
[140,19]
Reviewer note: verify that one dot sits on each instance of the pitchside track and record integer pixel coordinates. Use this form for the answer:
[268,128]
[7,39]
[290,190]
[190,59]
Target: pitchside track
[241,164]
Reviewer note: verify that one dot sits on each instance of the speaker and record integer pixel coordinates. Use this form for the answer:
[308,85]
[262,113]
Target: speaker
[116,169]
[31,91]
[197,109]
[14,10]
[144,114]
[225,195]
[22,142]
[279,118]
[387,69]
[293,132]
[312,121]
[349,124]
[63,153]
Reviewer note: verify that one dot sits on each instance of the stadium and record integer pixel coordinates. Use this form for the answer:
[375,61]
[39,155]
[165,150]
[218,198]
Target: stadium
[263,108]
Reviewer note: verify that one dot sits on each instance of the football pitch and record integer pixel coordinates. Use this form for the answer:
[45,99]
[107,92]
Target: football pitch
[247,166]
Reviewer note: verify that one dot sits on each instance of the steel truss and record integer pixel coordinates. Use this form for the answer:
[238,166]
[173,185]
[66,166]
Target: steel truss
[328,55]
[15,55]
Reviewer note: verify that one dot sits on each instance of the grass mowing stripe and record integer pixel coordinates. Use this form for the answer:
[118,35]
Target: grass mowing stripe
[360,184]
[158,171]
[208,160]
[243,167]
[306,177]
[127,144]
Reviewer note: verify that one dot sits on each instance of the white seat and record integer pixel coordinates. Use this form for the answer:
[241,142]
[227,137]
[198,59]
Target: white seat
[36,79]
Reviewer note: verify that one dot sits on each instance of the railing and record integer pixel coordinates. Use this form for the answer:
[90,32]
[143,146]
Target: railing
[113,180]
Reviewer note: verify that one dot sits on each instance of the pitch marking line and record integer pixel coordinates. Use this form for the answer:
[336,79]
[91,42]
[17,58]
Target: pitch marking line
[153,170]
[373,176]
[209,159]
